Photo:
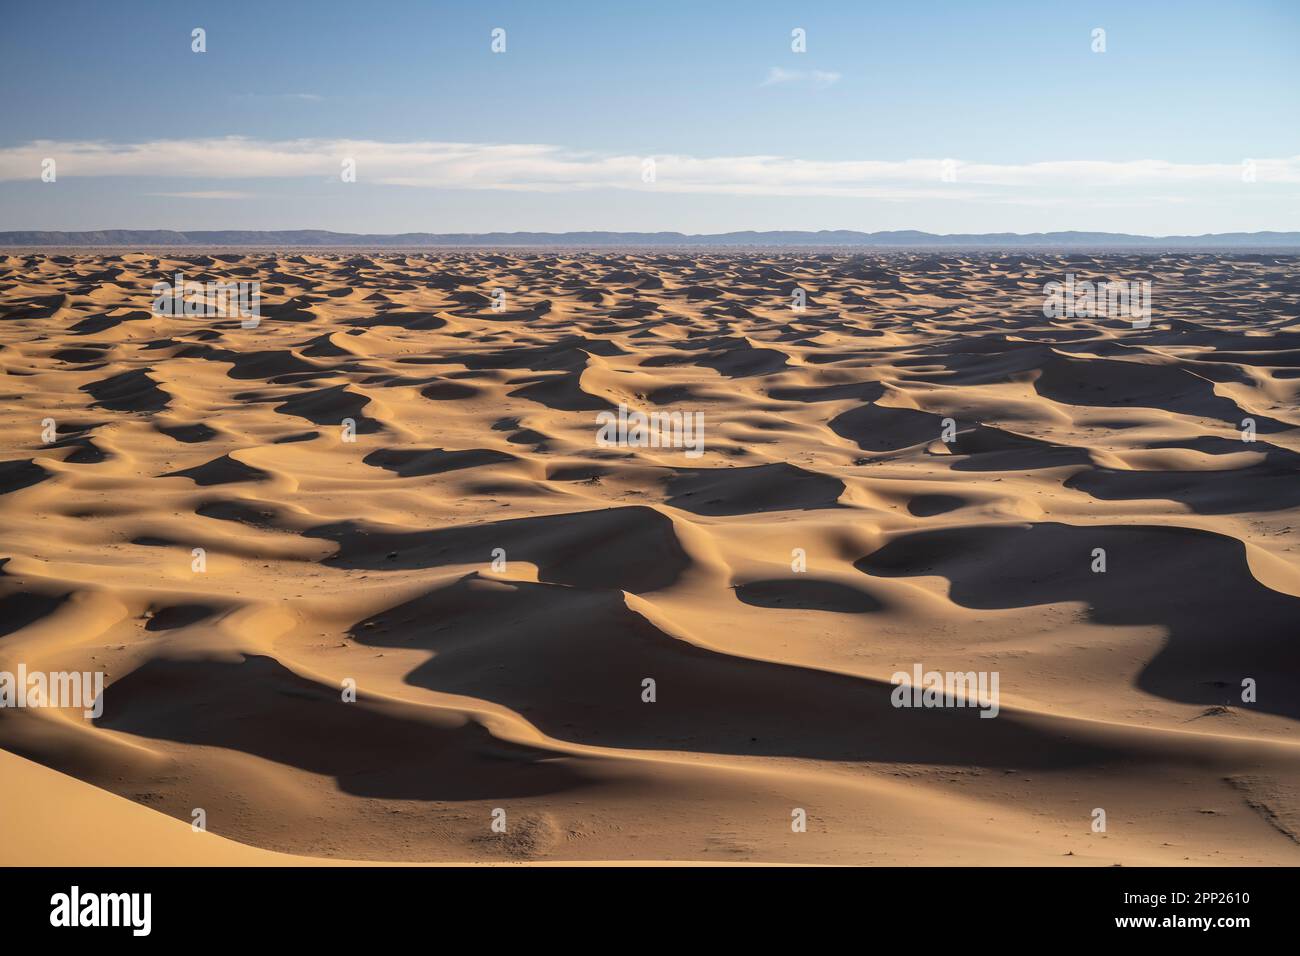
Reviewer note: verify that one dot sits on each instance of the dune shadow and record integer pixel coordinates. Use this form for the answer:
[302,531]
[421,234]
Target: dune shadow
[373,749]
[631,548]
[1223,625]
[735,491]
[1270,485]
[806,594]
[573,662]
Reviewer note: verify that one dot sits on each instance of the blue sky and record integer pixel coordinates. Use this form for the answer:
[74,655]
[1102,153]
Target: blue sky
[1038,131]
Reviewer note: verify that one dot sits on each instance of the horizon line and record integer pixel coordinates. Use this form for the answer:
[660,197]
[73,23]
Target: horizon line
[903,238]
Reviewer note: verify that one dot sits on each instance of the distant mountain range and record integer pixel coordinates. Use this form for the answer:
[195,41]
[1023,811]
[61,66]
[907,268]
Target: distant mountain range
[839,238]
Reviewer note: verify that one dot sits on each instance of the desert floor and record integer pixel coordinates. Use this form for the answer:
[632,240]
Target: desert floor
[498,584]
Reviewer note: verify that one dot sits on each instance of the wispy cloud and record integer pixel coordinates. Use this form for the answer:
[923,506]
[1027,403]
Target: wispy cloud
[206,194]
[816,79]
[546,168]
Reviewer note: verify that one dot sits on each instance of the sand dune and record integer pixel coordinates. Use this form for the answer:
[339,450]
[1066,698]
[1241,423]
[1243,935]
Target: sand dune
[397,485]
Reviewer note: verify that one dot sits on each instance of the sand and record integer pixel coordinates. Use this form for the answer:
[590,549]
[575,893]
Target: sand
[497,584]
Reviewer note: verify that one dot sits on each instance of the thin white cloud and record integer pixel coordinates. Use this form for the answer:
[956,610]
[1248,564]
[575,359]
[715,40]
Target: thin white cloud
[545,168]
[817,79]
[206,194]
